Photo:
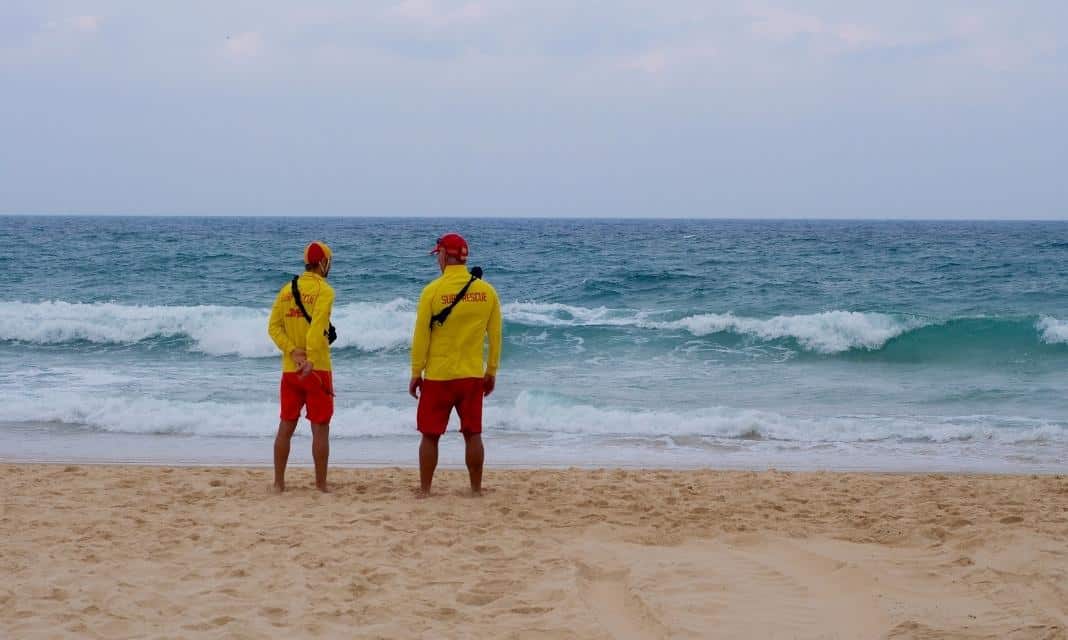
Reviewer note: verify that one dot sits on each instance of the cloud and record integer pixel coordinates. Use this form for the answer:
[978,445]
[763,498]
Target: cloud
[997,50]
[778,24]
[782,25]
[82,24]
[248,44]
[632,107]
[85,24]
[661,59]
[432,14]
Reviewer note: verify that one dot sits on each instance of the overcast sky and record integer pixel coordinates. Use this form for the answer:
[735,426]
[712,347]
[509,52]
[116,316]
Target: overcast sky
[663,108]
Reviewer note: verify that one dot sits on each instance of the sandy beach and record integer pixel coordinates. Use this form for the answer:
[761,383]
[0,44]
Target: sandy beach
[125,551]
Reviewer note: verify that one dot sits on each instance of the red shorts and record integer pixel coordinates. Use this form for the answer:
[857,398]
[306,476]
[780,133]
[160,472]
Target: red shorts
[439,397]
[316,390]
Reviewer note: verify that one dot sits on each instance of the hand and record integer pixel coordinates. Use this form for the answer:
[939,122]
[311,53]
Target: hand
[298,355]
[413,386]
[304,368]
[488,383]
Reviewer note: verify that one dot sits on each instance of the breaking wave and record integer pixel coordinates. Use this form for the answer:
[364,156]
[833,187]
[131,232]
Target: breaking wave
[531,412]
[372,327]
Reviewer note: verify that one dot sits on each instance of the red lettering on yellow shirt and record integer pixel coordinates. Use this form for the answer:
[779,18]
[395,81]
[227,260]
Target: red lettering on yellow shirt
[469,297]
[308,298]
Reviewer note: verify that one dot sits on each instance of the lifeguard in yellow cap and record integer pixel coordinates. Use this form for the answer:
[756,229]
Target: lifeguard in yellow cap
[300,326]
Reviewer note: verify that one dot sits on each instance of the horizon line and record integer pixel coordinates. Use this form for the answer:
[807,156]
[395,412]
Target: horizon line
[527,217]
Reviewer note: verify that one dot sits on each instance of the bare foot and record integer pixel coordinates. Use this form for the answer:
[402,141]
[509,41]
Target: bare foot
[278,487]
[476,493]
[422,494]
[322,488]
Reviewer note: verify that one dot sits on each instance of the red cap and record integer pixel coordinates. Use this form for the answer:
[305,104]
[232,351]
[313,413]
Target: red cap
[316,252]
[453,244]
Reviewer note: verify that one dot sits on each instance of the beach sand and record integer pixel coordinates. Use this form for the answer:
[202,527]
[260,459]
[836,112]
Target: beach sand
[127,551]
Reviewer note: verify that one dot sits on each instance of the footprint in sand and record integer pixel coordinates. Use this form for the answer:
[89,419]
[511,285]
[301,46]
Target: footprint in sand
[617,607]
[487,592]
[477,598]
[530,610]
[274,612]
[381,578]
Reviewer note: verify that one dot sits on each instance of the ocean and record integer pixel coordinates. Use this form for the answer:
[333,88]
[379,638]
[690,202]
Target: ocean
[884,345]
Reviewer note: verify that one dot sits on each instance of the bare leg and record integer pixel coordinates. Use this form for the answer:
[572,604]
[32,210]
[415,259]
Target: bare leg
[320,453]
[428,461]
[474,455]
[281,452]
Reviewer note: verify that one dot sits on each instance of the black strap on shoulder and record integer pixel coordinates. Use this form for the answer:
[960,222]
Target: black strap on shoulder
[441,316]
[330,333]
[300,303]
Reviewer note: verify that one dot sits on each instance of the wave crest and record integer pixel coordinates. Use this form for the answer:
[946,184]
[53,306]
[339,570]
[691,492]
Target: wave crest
[372,327]
[535,411]
[214,330]
[1051,330]
[826,332]
[531,413]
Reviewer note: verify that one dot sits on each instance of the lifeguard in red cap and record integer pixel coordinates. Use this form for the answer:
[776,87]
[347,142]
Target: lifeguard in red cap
[300,326]
[456,313]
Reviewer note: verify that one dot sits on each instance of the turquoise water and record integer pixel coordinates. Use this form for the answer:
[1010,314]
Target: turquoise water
[662,343]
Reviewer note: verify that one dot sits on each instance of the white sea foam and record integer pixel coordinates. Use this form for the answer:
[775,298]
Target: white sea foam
[827,332]
[1052,330]
[241,331]
[137,414]
[554,314]
[214,330]
[537,412]
[544,415]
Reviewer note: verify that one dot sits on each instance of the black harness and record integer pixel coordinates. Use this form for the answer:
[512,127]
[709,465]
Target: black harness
[441,316]
[331,333]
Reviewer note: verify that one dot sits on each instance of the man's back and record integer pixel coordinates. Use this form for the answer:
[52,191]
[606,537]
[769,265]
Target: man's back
[454,350]
[289,329]
[447,361]
[307,377]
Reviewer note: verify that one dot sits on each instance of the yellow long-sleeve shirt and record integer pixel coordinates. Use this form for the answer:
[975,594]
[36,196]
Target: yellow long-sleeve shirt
[288,328]
[455,349]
